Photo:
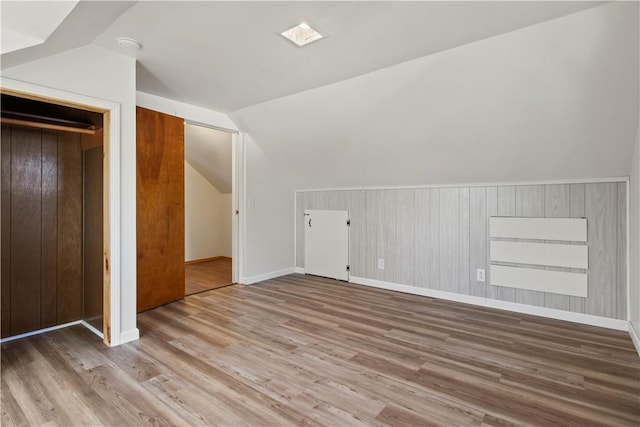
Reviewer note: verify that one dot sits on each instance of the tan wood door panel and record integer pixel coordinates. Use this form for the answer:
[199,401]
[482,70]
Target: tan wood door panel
[160,208]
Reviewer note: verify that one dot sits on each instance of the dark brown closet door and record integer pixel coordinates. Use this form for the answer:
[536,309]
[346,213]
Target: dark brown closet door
[5,233]
[160,208]
[41,229]
[69,304]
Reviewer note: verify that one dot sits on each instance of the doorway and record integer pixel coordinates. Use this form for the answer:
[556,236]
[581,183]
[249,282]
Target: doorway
[160,205]
[53,217]
[209,208]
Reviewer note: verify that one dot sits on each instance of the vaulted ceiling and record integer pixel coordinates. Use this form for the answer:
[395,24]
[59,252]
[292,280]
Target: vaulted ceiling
[229,55]
[235,58]
[399,93]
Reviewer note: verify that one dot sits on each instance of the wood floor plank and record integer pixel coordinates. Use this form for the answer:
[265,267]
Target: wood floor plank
[398,416]
[65,370]
[11,412]
[204,276]
[304,350]
[134,405]
[212,380]
[27,389]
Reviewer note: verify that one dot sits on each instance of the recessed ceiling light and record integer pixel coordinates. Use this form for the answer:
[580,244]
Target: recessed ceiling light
[302,34]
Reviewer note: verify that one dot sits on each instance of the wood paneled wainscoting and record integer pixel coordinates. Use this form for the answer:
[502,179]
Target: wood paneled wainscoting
[52,229]
[302,350]
[41,228]
[437,238]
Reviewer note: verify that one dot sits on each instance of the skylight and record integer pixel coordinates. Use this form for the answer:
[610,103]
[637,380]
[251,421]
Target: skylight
[302,34]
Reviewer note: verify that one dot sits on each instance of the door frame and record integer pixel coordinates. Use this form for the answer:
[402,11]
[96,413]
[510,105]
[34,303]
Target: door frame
[237,188]
[111,285]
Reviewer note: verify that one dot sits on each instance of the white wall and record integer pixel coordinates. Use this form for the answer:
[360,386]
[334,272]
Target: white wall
[269,244]
[554,101]
[100,73]
[634,243]
[207,218]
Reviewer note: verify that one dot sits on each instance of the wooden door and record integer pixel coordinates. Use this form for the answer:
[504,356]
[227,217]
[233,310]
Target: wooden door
[160,208]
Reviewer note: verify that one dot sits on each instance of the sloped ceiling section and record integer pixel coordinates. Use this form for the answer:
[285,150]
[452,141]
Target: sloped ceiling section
[209,152]
[558,100]
[82,24]
[234,56]
[26,24]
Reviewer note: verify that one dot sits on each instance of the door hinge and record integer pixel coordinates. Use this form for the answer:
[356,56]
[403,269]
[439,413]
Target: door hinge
[348,268]
[348,223]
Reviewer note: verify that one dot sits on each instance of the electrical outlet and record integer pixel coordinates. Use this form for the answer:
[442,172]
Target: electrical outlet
[480,275]
[380,264]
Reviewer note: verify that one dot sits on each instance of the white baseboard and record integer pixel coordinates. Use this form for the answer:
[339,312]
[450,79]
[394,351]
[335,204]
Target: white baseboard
[635,337]
[299,270]
[40,331]
[587,319]
[128,336]
[266,276]
[92,329]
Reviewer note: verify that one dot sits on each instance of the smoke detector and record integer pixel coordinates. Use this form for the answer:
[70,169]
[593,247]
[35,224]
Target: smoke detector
[129,43]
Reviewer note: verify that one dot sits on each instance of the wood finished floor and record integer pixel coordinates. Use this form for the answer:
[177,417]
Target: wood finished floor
[208,275]
[300,350]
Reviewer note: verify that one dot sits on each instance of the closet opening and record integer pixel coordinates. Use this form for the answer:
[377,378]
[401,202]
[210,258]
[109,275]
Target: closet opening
[54,254]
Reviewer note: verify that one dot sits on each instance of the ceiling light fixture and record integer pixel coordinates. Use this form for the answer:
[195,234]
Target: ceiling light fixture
[302,34]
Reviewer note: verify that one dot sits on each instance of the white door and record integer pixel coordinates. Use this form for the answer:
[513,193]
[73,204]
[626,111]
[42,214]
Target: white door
[326,243]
